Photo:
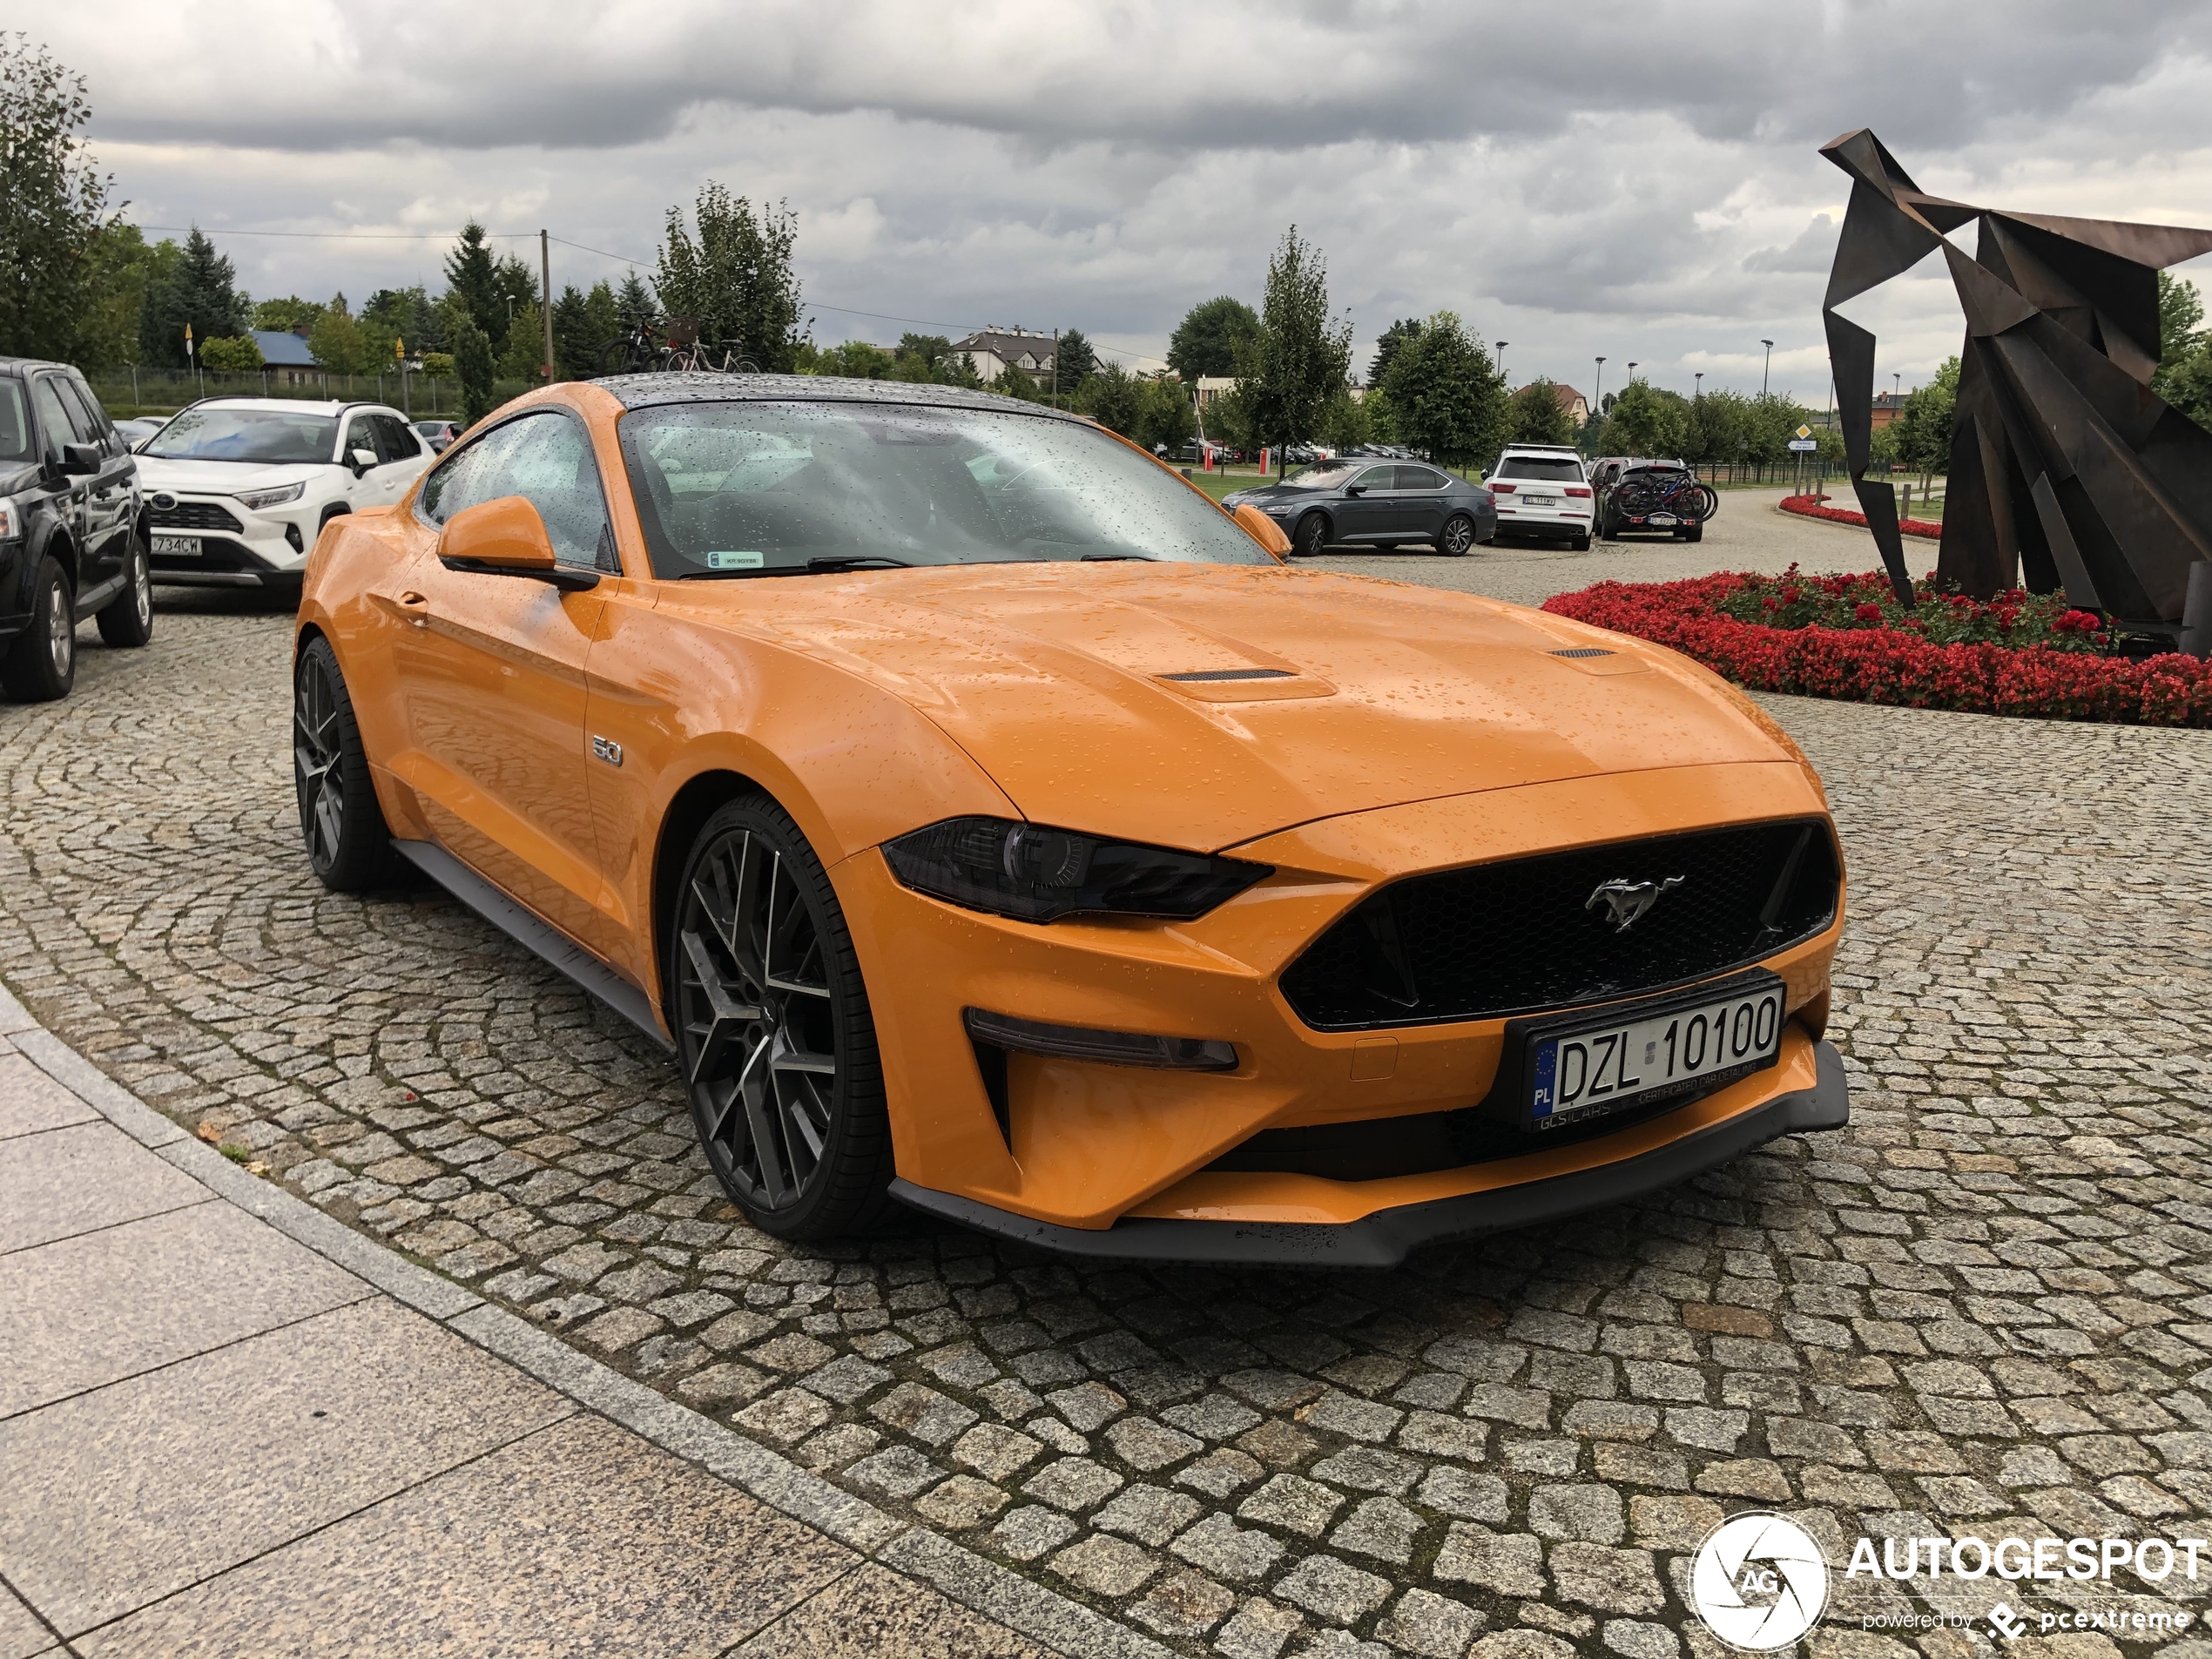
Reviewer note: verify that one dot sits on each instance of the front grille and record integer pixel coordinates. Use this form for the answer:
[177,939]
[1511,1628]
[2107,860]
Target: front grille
[1521,934]
[194,515]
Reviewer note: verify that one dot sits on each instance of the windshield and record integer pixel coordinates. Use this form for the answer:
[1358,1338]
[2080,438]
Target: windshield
[1327,475]
[1562,469]
[15,424]
[245,435]
[742,489]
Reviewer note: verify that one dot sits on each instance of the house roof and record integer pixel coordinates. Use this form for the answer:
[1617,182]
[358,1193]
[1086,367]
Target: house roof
[284,350]
[1567,396]
[1008,344]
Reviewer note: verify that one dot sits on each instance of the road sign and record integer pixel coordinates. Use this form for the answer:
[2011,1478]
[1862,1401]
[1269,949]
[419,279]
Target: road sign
[1804,443]
[1804,432]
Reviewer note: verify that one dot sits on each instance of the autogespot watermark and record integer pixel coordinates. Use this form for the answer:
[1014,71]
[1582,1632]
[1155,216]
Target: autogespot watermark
[1760,1581]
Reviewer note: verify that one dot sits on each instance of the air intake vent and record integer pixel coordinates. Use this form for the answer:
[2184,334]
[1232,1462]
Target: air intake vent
[1584,650]
[1214,676]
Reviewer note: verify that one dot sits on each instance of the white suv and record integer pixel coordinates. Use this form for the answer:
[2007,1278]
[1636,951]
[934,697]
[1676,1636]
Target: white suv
[1541,490]
[237,488]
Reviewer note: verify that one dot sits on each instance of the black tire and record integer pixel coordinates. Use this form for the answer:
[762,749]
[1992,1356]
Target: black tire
[41,664]
[1311,537]
[127,619]
[1457,537]
[347,841]
[766,999]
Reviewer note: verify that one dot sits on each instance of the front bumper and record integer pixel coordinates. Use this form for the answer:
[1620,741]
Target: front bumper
[257,550]
[1384,1238]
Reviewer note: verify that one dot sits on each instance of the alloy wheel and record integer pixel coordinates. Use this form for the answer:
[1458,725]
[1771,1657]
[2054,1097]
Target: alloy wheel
[60,629]
[141,587]
[316,757]
[756,1021]
[1459,537]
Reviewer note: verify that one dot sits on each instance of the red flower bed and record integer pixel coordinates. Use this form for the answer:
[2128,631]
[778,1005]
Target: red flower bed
[1809,507]
[1947,653]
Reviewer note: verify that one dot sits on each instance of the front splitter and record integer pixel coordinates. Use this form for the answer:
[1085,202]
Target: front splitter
[1384,1239]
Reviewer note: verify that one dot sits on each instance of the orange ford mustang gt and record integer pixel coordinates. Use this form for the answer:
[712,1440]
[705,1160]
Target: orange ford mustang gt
[989,822]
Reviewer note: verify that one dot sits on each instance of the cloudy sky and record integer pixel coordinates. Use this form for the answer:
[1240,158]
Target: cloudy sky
[1639,181]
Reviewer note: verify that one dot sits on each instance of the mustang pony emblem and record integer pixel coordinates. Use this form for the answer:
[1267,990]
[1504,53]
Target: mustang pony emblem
[1629,900]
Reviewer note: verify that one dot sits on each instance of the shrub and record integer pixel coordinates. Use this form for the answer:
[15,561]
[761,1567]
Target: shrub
[2021,654]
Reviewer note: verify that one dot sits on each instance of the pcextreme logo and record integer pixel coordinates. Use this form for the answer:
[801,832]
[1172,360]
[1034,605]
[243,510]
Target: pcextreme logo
[1759,1581]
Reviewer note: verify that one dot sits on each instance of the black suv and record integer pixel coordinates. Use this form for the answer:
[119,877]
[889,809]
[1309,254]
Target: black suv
[72,533]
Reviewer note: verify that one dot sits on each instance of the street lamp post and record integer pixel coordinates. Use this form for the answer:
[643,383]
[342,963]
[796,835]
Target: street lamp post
[1632,371]
[1699,389]
[1767,365]
[1501,357]
[1597,400]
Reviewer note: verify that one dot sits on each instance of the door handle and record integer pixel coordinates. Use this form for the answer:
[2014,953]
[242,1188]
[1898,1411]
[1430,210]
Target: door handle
[416,608]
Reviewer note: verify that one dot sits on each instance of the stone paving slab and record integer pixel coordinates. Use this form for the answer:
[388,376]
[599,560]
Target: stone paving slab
[579,1539]
[22,1636]
[1987,1307]
[81,1179]
[872,1614]
[86,1312]
[31,1101]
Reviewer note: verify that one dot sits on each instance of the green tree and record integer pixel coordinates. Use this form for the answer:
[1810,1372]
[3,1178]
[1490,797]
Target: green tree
[1386,346]
[1114,398]
[2181,315]
[1290,372]
[472,362]
[473,279]
[338,342]
[521,352]
[518,280]
[735,278]
[238,355]
[1163,414]
[401,314]
[1924,424]
[1447,396]
[585,324]
[123,268]
[1382,416]
[282,316]
[634,305]
[1534,415]
[1345,423]
[1014,381]
[855,359]
[199,287]
[1077,361]
[53,201]
[1208,339]
[1648,420]
[437,366]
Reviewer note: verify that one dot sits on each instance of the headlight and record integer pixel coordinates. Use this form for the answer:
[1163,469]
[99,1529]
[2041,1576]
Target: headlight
[257,499]
[11,523]
[1033,873]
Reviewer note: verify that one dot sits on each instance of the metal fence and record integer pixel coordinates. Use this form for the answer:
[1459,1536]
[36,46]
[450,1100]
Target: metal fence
[161,391]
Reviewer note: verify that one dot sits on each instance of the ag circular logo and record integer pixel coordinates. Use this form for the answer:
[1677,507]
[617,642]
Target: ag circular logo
[1760,1581]
[163,500]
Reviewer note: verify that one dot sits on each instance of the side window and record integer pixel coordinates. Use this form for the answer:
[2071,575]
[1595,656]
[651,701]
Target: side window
[1377,480]
[394,441]
[360,433]
[1419,478]
[547,459]
[53,417]
[551,465]
[88,418]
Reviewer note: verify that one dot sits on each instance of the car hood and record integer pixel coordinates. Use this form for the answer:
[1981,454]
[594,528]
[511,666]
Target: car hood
[223,477]
[1319,694]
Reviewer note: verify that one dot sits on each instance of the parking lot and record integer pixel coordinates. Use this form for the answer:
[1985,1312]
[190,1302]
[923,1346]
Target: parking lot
[1987,1307]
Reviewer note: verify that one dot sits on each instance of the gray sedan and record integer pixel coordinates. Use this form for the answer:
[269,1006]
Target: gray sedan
[1375,504]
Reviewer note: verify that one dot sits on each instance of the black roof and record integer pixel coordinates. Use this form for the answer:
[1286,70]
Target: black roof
[652,391]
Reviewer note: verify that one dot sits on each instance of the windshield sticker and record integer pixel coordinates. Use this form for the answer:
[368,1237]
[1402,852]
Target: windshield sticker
[747,560]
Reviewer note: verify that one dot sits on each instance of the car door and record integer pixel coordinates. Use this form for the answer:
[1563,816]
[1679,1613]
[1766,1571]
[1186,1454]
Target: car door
[1417,509]
[1364,518]
[366,487]
[402,457]
[109,499]
[72,496]
[493,676]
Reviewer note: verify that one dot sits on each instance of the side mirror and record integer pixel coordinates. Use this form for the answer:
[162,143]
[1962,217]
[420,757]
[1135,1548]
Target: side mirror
[363,460]
[1263,530]
[507,538]
[1355,489]
[80,460]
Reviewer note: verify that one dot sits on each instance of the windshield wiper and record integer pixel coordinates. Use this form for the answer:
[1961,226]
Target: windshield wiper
[856,562]
[1104,558]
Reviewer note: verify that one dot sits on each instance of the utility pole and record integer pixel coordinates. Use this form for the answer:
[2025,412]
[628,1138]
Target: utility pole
[1767,365]
[1055,368]
[545,290]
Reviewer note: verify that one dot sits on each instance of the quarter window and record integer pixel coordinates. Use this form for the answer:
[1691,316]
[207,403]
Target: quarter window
[547,459]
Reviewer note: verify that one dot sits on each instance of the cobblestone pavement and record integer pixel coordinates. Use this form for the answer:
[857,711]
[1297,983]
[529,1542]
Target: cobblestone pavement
[1986,1308]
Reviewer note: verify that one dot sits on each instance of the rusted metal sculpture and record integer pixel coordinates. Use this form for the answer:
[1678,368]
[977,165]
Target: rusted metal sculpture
[2066,468]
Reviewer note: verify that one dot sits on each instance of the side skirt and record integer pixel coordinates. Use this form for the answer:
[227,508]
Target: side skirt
[540,938]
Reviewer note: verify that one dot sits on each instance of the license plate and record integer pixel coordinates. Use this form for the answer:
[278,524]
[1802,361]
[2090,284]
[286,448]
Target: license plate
[1664,518]
[176,547]
[1656,1049]
[1541,501]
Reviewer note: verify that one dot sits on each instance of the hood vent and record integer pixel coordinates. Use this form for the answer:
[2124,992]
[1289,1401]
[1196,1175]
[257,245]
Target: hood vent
[1583,651]
[1215,675]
